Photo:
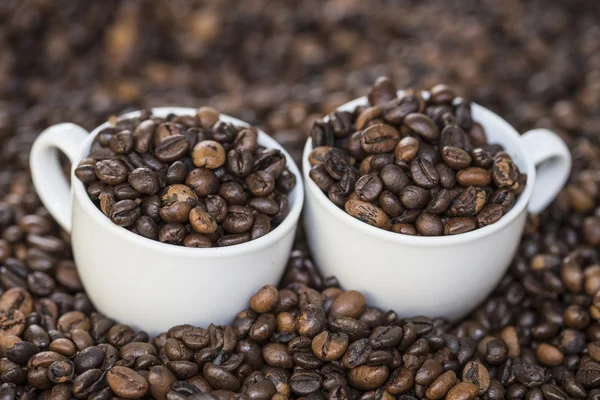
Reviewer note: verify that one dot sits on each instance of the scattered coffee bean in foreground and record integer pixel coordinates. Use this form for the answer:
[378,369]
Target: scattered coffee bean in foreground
[189,180]
[414,166]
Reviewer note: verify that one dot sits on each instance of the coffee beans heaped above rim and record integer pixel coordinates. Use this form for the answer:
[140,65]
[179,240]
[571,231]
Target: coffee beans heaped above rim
[189,180]
[414,166]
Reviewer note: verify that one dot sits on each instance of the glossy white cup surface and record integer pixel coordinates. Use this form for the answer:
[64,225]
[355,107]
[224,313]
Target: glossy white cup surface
[145,283]
[446,276]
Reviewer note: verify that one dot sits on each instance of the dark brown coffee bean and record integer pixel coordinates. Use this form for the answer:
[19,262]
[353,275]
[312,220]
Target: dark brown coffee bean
[447,176]
[390,203]
[382,91]
[423,126]
[143,180]
[172,233]
[393,178]
[238,220]
[368,187]
[504,197]
[172,148]
[413,197]
[260,183]
[233,239]
[397,109]
[456,157]
[220,378]
[424,173]
[85,171]
[489,214]
[125,212]
[429,225]
[122,142]
[111,171]
[380,138]
[529,375]
[453,136]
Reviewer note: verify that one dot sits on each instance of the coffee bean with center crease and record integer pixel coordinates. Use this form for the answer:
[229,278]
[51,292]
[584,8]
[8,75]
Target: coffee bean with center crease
[127,383]
[144,181]
[489,214]
[380,138]
[238,219]
[303,383]
[424,173]
[111,171]
[122,142]
[240,162]
[125,212]
[172,148]
[368,187]
[260,183]
[504,171]
[367,212]
[458,225]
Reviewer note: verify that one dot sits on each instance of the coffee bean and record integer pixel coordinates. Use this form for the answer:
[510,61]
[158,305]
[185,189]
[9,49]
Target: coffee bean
[144,181]
[397,109]
[424,173]
[382,91]
[380,138]
[111,172]
[220,378]
[260,183]
[468,203]
[127,383]
[413,197]
[368,187]
[489,214]
[504,172]
[174,147]
[422,125]
[462,391]
[238,220]
[474,176]
[406,149]
[429,225]
[367,212]
[368,377]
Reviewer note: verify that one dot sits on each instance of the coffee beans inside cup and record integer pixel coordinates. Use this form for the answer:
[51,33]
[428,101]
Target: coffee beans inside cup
[412,165]
[189,180]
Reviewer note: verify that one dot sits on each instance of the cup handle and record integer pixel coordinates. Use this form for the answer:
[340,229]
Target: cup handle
[46,172]
[552,160]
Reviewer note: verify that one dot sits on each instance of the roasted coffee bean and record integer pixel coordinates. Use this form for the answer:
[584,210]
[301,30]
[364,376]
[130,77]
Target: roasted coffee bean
[127,383]
[143,180]
[367,212]
[111,172]
[397,109]
[260,183]
[406,149]
[413,197]
[424,173]
[125,213]
[468,203]
[380,138]
[473,176]
[429,225]
[489,214]
[422,125]
[382,91]
[368,187]
[504,172]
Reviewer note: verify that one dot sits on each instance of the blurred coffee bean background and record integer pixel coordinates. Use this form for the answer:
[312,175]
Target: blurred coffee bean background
[281,64]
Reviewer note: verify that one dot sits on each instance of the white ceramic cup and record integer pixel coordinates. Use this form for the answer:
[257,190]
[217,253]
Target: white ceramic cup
[445,276]
[145,283]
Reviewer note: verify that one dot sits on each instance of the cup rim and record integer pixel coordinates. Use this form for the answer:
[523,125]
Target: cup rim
[425,241]
[267,240]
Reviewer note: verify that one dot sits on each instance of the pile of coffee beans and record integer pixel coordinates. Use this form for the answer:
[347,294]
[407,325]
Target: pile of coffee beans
[190,180]
[535,63]
[414,166]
